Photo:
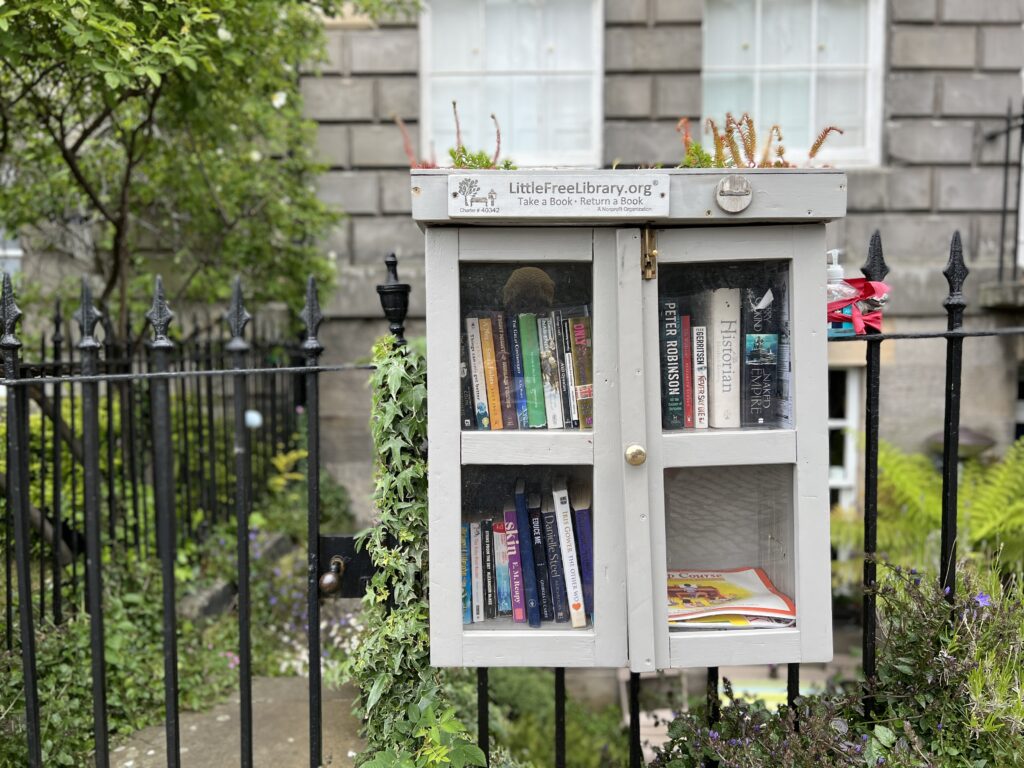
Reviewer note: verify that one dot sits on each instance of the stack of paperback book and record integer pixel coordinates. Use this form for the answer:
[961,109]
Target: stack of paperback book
[743,598]
[534,563]
[528,370]
[725,358]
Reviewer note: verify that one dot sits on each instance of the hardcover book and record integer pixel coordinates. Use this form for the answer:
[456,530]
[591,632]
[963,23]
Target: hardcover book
[684,324]
[515,564]
[487,548]
[506,387]
[579,498]
[491,373]
[583,369]
[556,576]
[759,380]
[570,559]
[467,585]
[723,323]
[565,361]
[515,354]
[784,412]
[533,378]
[466,387]
[557,330]
[476,373]
[530,595]
[476,562]
[549,374]
[673,409]
[700,376]
[502,583]
[540,559]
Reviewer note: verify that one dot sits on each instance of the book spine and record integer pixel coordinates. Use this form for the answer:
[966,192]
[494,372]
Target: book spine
[570,560]
[585,543]
[549,374]
[466,387]
[506,389]
[570,370]
[687,340]
[502,584]
[515,566]
[724,368]
[784,411]
[558,331]
[526,555]
[467,576]
[476,373]
[556,576]
[487,547]
[491,373]
[700,376]
[759,325]
[673,413]
[518,380]
[583,367]
[477,564]
[532,376]
[540,564]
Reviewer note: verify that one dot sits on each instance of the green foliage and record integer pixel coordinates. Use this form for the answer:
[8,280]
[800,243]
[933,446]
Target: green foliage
[737,146]
[463,158]
[947,693]
[436,739]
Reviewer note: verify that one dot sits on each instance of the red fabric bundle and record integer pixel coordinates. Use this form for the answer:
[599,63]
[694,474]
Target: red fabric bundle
[861,321]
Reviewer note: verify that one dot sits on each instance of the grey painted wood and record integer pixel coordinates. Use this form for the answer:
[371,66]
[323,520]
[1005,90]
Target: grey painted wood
[712,447]
[533,447]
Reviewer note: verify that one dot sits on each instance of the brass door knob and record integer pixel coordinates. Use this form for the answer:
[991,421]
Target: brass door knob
[636,455]
[330,582]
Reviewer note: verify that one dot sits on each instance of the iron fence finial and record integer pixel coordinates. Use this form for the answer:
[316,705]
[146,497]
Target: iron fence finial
[237,318]
[87,316]
[160,317]
[956,273]
[394,299]
[875,268]
[9,316]
[312,317]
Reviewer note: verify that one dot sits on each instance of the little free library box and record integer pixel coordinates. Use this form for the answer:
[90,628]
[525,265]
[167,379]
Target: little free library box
[627,417]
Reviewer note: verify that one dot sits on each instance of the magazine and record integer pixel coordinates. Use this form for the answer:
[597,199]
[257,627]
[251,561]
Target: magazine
[734,599]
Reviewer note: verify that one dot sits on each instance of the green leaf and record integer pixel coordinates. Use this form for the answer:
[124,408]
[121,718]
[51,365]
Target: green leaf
[885,736]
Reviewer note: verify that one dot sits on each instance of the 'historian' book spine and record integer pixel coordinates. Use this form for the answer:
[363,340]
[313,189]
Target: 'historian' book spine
[506,387]
[515,564]
[532,375]
[491,373]
[476,373]
[673,411]
[725,357]
[760,326]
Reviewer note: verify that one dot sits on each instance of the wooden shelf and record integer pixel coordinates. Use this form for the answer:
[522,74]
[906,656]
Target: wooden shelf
[540,446]
[739,647]
[728,447]
[537,648]
[505,624]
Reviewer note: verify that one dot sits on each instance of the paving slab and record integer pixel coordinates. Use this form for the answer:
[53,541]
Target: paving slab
[280,709]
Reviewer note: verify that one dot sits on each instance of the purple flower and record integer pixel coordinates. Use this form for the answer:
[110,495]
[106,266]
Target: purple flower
[945,590]
[983,600]
[939,726]
[300,410]
[273,600]
[713,735]
[917,582]
[880,761]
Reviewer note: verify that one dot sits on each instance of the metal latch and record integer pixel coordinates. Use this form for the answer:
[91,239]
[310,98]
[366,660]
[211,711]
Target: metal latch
[648,254]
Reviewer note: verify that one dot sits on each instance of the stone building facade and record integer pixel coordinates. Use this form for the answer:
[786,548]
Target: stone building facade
[950,69]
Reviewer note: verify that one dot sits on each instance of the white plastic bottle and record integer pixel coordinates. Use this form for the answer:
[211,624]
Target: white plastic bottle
[837,289]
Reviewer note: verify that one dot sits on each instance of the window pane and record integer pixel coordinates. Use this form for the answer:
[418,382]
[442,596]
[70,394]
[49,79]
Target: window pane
[842,102]
[569,29]
[729,33]
[836,393]
[785,99]
[473,113]
[456,36]
[566,118]
[842,31]
[786,32]
[727,93]
[521,50]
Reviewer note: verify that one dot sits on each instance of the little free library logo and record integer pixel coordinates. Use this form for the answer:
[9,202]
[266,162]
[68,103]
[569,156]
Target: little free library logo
[518,195]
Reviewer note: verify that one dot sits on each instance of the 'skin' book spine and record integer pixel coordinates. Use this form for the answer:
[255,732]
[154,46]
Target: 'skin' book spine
[515,564]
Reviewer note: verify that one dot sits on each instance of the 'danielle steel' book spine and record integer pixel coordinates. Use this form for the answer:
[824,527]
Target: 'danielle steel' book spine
[506,388]
[556,576]
[476,373]
[491,373]
[487,547]
[532,376]
[579,499]
[687,339]
[515,353]
[759,325]
[502,583]
[673,411]
[540,559]
[515,564]
[526,556]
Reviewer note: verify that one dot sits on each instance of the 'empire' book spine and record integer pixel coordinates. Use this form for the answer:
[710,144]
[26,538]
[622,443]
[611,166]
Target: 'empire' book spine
[476,373]
[506,388]
[673,411]
[526,555]
[515,353]
[760,346]
[532,375]
[725,358]
[540,559]
[559,600]
[515,564]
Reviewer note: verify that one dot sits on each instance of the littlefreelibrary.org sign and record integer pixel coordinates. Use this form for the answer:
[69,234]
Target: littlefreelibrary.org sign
[500,195]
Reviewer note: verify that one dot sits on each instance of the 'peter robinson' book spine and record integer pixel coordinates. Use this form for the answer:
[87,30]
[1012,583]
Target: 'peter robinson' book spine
[502,584]
[540,560]
[487,546]
[526,555]
[491,373]
[700,376]
[579,498]
[559,601]
[467,584]
[557,330]
[570,559]
[760,346]
[725,357]
[532,376]
[549,373]
[673,412]
[506,389]
[687,339]
[476,561]
[515,353]
[515,564]
[583,369]
[466,388]
[476,373]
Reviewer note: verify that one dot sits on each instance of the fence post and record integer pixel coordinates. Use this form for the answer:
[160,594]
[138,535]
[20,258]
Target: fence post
[160,317]
[57,339]
[237,319]
[956,272]
[394,299]
[17,504]
[311,318]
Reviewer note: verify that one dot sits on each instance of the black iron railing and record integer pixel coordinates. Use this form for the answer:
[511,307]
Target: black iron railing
[1014,123]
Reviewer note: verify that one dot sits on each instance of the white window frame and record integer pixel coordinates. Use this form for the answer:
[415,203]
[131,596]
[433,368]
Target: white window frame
[588,158]
[871,154]
[10,249]
[850,424]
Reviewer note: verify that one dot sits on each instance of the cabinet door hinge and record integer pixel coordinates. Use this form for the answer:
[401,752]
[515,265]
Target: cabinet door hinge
[648,254]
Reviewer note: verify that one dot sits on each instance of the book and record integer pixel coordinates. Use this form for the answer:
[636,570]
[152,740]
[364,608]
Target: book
[491,373]
[549,373]
[467,585]
[556,576]
[759,325]
[579,500]
[583,369]
[694,595]
[476,373]
[530,596]
[570,560]
[723,338]
[466,387]
[506,388]
[565,365]
[784,400]
[688,418]
[700,376]
[515,565]
[673,410]
[557,330]
[515,353]
[477,566]
[540,558]
[532,376]
[502,583]
[487,549]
